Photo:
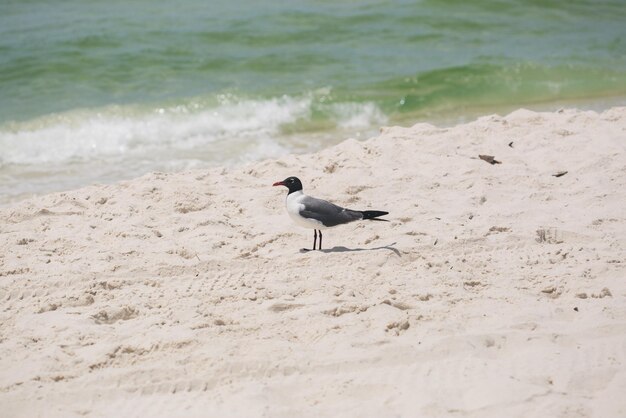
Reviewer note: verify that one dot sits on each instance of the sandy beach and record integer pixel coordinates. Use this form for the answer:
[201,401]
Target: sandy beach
[495,289]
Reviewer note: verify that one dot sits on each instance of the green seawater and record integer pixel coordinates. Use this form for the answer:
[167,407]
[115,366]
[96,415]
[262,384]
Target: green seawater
[110,90]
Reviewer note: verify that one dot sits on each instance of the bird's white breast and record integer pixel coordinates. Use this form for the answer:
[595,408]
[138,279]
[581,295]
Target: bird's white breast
[294,206]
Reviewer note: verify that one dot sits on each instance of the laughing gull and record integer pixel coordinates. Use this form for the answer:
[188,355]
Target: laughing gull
[318,214]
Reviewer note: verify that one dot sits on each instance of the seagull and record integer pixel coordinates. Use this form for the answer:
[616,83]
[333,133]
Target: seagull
[318,214]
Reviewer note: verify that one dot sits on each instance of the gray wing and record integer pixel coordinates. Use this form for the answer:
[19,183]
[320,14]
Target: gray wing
[328,213]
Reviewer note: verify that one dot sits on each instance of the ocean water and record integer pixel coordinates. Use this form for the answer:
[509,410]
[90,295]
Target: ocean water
[94,91]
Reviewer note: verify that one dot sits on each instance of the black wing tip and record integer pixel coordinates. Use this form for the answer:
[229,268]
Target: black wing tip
[373,214]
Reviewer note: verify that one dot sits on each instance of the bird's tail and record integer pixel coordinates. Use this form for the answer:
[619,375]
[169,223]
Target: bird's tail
[374,214]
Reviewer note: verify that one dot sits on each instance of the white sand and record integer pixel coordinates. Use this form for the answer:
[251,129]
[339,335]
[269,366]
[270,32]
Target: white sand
[186,295]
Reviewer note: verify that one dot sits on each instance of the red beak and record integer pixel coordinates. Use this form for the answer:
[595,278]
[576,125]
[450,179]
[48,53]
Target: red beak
[278,183]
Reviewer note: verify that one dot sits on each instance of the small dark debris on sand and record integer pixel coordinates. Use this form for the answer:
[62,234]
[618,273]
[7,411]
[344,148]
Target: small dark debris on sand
[490,159]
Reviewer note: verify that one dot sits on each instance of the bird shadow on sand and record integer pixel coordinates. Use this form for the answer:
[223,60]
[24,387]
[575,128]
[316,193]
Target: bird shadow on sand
[389,247]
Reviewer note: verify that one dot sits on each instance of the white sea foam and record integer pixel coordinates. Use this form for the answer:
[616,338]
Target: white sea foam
[358,115]
[82,135]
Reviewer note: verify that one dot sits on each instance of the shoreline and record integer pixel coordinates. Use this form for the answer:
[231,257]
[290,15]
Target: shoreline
[299,143]
[494,289]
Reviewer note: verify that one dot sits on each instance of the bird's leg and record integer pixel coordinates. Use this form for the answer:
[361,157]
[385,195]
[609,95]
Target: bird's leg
[320,240]
[314,238]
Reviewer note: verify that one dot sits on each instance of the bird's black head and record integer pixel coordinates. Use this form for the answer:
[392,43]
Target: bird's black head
[292,183]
